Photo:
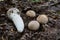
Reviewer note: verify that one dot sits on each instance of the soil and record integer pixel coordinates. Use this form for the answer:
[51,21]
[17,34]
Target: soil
[49,31]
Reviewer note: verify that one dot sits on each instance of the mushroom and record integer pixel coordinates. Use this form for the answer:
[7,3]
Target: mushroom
[1,0]
[33,25]
[31,13]
[12,13]
[42,18]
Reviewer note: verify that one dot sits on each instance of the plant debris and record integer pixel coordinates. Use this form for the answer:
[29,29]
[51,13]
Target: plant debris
[48,31]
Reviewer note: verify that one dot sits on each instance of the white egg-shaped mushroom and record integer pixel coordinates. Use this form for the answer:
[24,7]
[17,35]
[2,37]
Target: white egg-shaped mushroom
[33,25]
[42,18]
[12,13]
[31,13]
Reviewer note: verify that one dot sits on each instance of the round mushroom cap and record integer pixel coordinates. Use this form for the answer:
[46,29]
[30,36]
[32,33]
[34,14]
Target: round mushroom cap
[33,25]
[12,10]
[31,13]
[42,19]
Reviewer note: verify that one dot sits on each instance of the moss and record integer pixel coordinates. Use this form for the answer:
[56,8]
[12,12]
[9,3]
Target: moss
[58,12]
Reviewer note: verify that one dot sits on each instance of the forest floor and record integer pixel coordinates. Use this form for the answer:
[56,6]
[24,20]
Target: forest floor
[49,31]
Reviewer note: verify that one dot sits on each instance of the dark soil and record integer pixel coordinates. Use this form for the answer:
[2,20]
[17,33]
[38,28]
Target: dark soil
[49,31]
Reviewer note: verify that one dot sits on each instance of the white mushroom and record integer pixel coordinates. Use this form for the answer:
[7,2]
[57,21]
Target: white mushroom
[42,19]
[12,13]
[31,13]
[1,0]
[33,25]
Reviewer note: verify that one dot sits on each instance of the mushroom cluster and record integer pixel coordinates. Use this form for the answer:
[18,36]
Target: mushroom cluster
[12,13]
[34,25]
